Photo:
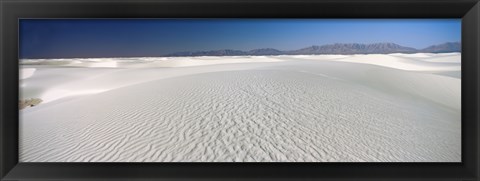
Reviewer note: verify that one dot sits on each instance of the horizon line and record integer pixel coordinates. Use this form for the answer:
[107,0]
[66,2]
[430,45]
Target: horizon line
[170,54]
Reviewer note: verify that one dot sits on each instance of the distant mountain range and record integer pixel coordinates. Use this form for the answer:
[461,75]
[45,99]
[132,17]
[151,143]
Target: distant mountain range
[337,48]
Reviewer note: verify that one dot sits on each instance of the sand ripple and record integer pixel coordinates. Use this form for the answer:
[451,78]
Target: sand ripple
[277,114]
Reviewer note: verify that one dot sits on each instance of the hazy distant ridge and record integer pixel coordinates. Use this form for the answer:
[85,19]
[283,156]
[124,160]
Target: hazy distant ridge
[337,48]
[445,47]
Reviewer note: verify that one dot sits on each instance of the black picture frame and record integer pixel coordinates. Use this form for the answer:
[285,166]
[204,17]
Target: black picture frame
[12,10]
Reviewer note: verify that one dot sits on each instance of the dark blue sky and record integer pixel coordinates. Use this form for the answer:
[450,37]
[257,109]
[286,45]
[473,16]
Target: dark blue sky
[68,38]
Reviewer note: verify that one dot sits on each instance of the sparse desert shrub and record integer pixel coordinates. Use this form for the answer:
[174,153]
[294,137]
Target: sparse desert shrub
[29,103]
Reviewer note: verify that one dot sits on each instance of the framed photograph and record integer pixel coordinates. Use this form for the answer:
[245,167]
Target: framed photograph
[239,90]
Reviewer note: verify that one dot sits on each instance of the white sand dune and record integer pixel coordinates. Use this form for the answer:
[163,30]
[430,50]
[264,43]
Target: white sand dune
[26,73]
[348,108]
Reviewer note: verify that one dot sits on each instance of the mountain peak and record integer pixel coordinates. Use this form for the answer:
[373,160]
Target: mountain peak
[353,48]
[265,51]
[444,47]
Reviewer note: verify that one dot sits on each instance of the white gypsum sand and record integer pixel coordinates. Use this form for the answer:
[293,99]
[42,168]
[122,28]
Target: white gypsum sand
[298,108]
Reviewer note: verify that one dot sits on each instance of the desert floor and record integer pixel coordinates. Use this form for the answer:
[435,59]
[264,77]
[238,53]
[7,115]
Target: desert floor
[305,108]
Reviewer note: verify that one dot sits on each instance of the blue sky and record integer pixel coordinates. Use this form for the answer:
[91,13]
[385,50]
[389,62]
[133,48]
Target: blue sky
[68,38]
